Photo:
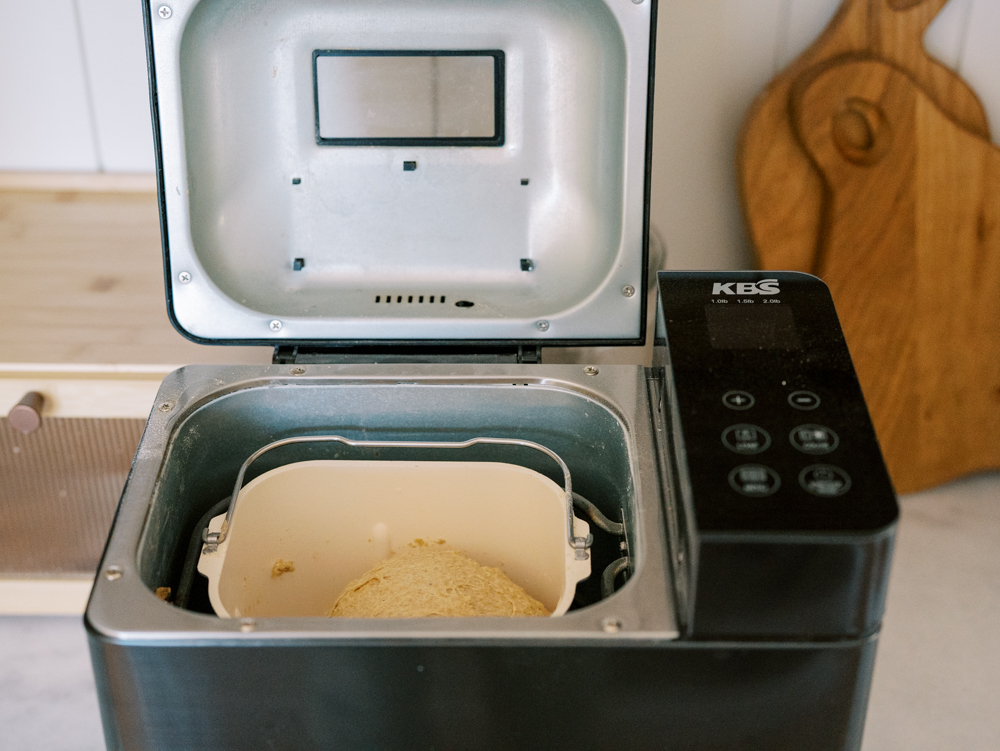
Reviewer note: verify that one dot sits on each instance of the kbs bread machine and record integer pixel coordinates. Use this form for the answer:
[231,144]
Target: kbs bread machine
[408,200]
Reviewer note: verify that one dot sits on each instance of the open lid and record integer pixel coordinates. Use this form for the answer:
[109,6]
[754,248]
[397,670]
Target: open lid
[349,171]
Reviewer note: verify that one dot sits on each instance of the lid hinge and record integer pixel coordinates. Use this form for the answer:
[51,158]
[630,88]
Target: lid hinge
[529,353]
[284,355]
[510,354]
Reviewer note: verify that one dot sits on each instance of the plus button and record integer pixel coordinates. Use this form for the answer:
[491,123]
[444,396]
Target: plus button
[738,400]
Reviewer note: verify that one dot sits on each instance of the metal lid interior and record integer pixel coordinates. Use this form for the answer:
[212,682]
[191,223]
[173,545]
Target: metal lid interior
[274,232]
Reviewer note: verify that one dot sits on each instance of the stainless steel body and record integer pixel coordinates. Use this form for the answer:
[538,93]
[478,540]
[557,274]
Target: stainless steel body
[622,671]
[360,248]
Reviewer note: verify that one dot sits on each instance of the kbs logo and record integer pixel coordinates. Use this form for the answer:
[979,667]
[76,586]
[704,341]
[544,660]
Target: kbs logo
[763,287]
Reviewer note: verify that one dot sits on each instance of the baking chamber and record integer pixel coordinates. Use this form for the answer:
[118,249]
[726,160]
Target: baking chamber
[210,420]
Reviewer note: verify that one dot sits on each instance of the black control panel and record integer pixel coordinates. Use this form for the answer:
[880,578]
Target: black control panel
[775,430]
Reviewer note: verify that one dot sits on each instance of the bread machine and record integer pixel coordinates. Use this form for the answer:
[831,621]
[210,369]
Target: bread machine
[408,200]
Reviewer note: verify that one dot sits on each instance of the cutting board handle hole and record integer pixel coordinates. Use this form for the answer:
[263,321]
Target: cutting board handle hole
[861,132]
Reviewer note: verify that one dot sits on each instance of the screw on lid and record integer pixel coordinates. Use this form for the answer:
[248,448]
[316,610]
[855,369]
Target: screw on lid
[26,415]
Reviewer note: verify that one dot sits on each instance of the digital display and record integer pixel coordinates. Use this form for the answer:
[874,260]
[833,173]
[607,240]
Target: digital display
[373,97]
[752,326]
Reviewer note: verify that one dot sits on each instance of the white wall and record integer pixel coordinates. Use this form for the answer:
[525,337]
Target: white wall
[114,48]
[45,116]
[73,95]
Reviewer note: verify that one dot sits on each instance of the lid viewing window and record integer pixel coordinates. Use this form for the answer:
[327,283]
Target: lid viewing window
[409,98]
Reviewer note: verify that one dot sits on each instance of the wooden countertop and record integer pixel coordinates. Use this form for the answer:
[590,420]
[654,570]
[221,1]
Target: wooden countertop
[81,275]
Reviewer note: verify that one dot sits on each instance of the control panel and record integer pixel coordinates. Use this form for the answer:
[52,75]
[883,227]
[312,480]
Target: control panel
[775,431]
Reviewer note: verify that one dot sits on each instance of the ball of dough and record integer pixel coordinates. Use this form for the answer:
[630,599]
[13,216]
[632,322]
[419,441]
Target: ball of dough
[429,581]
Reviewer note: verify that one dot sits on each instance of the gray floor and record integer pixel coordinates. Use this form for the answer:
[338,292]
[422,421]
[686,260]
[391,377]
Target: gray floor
[937,678]
[47,699]
[937,674]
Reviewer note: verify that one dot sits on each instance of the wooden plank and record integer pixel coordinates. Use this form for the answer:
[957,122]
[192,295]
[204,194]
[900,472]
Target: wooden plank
[122,394]
[911,252]
[81,280]
[898,30]
[85,182]
[781,192]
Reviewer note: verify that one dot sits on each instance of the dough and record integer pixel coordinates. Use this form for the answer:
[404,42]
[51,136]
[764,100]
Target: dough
[429,581]
[282,567]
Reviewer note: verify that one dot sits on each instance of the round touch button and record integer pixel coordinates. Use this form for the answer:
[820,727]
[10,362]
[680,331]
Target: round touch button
[824,480]
[814,439]
[738,400]
[803,400]
[754,480]
[745,439]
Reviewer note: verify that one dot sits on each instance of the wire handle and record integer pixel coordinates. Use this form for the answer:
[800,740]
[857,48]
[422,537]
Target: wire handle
[579,544]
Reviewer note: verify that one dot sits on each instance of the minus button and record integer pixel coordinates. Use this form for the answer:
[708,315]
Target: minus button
[803,400]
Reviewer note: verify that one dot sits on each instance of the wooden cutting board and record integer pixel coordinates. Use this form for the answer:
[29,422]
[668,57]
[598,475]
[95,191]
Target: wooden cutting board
[911,250]
[781,192]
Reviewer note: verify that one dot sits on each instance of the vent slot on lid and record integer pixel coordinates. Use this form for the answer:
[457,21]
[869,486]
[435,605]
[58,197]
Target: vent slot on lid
[410,299]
